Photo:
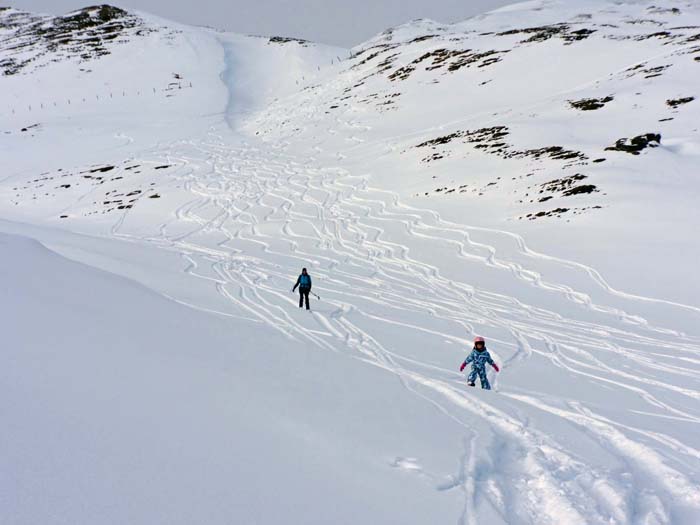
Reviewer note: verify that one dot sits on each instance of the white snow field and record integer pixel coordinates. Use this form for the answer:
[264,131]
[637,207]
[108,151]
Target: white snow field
[439,182]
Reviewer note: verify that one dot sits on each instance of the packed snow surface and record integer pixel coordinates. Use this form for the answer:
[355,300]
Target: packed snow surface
[528,175]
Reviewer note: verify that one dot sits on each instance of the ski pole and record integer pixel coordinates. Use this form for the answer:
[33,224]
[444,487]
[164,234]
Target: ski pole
[316,296]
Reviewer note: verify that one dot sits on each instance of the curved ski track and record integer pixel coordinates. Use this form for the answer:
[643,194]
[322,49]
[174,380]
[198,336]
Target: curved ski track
[389,275]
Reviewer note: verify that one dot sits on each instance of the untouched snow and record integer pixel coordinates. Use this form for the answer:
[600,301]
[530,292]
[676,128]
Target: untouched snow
[156,367]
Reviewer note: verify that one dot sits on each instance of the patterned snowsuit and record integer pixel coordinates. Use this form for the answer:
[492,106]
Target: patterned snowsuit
[478,361]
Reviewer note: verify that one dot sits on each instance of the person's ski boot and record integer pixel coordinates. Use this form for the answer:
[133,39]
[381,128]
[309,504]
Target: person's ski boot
[471,384]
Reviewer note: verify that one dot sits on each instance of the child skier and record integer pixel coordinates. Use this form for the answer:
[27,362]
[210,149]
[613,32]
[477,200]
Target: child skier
[478,358]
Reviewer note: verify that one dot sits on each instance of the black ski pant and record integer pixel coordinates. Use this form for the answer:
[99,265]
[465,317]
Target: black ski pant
[304,294]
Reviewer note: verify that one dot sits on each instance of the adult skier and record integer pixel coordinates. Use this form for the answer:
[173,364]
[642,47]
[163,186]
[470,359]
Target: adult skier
[304,284]
[478,358]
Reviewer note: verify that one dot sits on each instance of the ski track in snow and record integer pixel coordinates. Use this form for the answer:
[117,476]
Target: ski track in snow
[256,215]
[388,274]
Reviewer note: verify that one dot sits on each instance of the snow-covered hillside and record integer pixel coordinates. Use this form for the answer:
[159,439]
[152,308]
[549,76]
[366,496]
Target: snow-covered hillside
[528,175]
[539,113]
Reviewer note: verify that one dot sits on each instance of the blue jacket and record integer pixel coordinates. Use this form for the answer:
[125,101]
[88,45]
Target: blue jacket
[479,359]
[303,282]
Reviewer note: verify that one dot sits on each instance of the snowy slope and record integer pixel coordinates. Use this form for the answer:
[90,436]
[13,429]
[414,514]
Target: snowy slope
[126,407]
[176,377]
[506,119]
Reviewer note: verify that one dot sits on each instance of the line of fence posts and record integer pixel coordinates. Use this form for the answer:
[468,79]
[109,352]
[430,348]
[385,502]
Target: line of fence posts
[97,97]
[319,67]
[179,86]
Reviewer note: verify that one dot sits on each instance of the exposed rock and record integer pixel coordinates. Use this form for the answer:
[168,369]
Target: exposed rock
[543,33]
[674,103]
[287,40]
[85,34]
[578,190]
[590,104]
[636,144]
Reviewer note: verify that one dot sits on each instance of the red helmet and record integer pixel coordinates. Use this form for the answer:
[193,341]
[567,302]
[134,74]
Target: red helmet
[479,340]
